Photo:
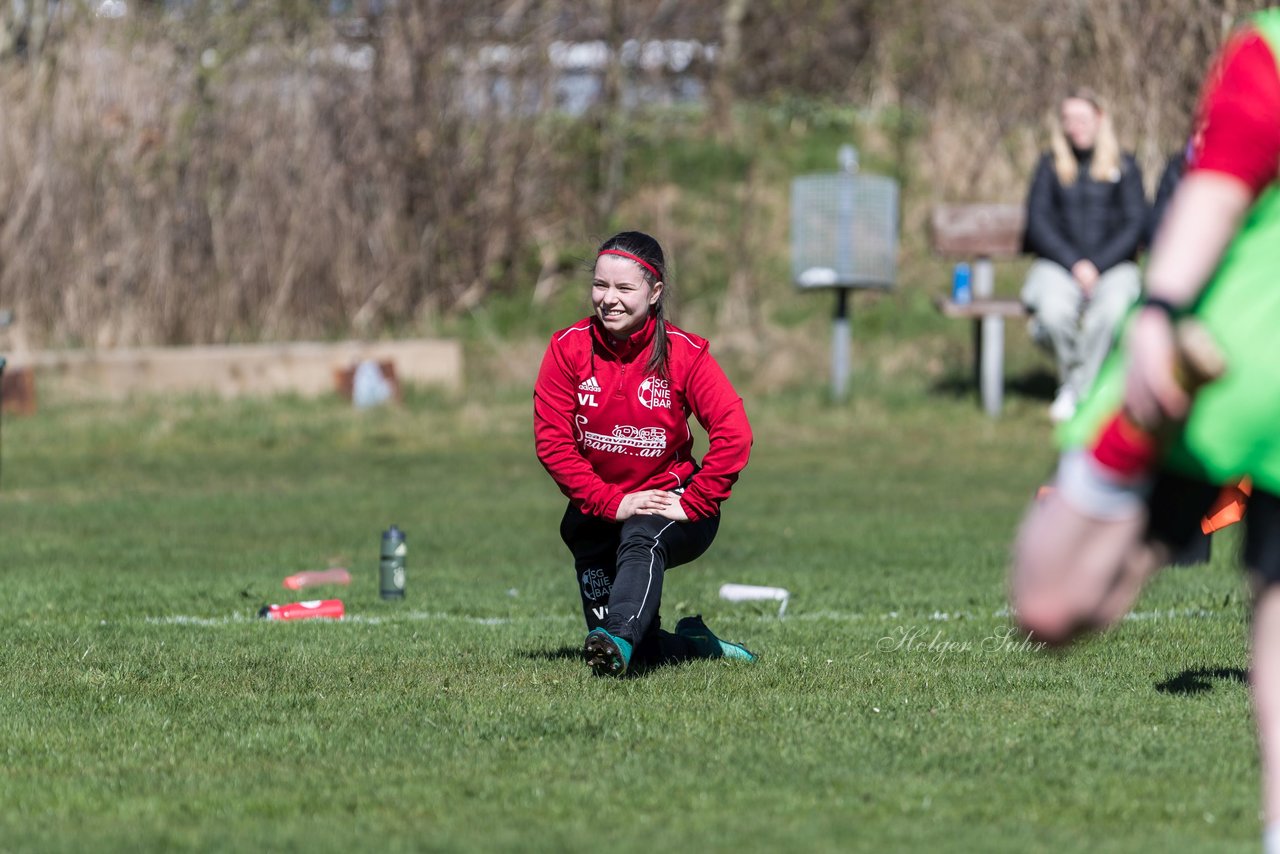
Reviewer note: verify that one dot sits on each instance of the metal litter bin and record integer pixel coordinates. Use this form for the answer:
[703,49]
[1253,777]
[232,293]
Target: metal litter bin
[844,235]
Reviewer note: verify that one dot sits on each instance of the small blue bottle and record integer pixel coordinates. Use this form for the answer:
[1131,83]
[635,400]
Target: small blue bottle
[961,284]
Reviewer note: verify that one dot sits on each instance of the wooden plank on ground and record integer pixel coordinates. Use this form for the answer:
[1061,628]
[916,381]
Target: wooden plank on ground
[306,368]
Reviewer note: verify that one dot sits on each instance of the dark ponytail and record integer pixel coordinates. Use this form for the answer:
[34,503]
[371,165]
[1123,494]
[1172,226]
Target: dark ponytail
[654,270]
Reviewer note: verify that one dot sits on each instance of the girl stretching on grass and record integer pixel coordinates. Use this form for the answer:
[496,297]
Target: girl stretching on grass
[611,409]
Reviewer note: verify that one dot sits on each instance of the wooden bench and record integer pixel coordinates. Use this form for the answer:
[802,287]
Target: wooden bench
[17,390]
[980,234]
[17,385]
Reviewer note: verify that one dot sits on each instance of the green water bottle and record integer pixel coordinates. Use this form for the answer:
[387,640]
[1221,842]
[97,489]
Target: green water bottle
[391,568]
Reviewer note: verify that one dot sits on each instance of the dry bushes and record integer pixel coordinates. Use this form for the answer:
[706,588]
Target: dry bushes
[162,187]
[153,196]
[987,73]
[264,175]
[983,74]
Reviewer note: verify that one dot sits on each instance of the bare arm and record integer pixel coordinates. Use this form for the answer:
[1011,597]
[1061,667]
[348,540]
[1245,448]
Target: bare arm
[1203,218]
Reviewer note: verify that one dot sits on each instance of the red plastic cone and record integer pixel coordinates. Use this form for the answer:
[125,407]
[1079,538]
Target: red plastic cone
[337,575]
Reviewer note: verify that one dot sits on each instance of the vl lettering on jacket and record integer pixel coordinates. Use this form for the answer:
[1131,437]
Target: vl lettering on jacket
[587,391]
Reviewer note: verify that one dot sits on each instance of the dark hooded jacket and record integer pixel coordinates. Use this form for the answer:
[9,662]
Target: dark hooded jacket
[1101,221]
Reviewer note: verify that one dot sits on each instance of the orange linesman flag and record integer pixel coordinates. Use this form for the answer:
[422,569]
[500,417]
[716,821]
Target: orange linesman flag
[1229,508]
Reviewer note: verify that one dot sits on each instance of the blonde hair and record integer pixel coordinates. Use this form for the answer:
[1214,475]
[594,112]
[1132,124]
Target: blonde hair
[1105,165]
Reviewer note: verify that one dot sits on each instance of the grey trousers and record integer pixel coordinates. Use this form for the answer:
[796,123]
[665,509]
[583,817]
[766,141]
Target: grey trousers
[1078,331]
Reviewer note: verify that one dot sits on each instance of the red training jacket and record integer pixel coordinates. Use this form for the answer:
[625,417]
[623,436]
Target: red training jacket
[604,427]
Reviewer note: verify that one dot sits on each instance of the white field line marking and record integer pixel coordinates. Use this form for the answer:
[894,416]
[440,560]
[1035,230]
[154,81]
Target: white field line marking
[189,620]
[811,616]
[1002,614]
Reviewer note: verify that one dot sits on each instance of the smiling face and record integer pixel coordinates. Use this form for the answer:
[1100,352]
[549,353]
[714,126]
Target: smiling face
[620,296]
[1080,122]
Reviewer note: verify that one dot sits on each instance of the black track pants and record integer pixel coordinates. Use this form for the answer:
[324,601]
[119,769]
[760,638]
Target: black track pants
[620,567]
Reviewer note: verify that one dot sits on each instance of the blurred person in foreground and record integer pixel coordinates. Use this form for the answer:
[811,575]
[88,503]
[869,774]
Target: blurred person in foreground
[1086,212]
[611,409]
[1144,458]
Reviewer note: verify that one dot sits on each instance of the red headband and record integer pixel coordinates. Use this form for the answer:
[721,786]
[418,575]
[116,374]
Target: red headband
[636,258]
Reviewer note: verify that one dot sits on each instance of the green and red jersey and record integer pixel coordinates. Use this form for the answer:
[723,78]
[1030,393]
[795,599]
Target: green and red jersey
[1234,425]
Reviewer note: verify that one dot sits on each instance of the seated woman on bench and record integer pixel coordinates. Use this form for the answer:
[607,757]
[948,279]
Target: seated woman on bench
[1086,211]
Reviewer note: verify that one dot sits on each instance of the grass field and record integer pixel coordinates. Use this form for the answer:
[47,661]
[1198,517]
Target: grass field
[144,707]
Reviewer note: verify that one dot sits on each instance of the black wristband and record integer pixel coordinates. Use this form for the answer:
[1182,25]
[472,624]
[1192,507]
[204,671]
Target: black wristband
[1170,310]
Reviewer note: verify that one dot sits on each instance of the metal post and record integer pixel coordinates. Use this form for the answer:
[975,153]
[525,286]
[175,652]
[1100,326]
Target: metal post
[992,387]
[990,340]
[840,331]
[840,346]
[848,158]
